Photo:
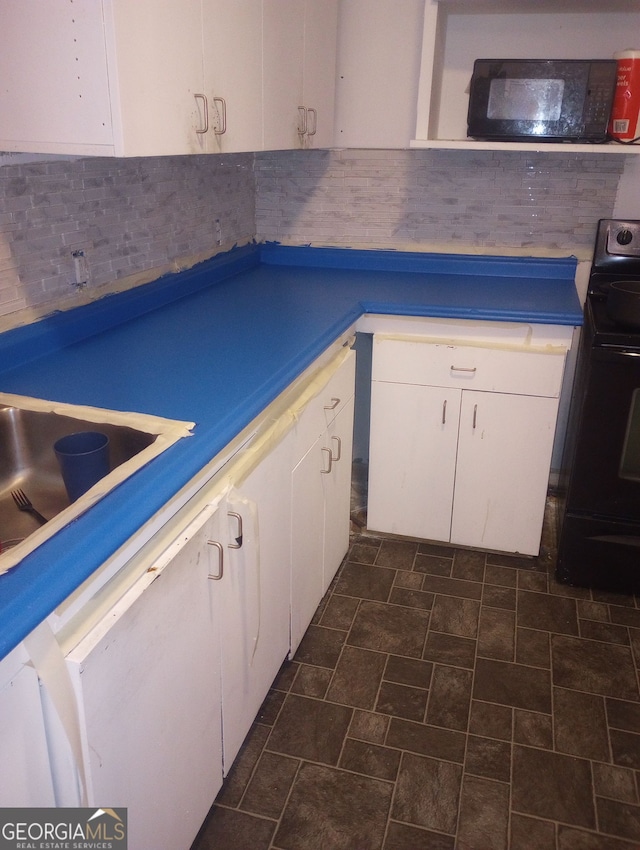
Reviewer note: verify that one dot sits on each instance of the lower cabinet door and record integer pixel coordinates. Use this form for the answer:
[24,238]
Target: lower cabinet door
[504,452]
[412,459]
[337,493]
[25,778]
[147,679]
[307,538]
[253,602]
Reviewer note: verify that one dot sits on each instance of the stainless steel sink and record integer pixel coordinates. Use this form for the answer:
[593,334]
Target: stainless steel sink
[28,462]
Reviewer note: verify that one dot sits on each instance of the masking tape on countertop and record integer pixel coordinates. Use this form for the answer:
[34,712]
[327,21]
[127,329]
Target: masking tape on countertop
[49,664]
[248,458]
[525,345]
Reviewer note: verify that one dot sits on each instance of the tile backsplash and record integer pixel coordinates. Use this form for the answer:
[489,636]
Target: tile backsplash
[128,216]
[135,219]
[436,199]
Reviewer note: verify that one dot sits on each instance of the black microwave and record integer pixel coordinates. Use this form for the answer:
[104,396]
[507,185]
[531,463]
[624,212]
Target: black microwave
[541,99]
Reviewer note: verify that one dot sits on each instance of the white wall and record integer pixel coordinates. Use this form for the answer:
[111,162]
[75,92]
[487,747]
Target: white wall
[627,204]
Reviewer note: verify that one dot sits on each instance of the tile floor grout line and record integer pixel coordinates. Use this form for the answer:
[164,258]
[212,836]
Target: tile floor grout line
[284,806]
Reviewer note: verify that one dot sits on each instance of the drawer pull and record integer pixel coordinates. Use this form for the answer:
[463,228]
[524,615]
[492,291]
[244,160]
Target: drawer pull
[444,411]
[475,416]
[302,121]
[238,518]
[313,113]
[463,369]
[334,403]
[222,114]
[204,128]
[218,546]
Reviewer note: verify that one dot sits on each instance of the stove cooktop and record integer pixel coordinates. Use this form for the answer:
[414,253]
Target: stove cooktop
[606,332]
[616,257]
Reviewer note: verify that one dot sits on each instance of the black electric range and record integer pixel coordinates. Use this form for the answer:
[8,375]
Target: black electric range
[599,531]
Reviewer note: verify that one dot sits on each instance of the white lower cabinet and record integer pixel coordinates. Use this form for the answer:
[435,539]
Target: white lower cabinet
[253,597]
[337,493]
[452,457]
[147,681]
[165,667]
[502,471]
[25,779]
[412,459]
[321,490]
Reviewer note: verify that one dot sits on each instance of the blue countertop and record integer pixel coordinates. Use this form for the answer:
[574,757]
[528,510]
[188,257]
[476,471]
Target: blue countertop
[215,345]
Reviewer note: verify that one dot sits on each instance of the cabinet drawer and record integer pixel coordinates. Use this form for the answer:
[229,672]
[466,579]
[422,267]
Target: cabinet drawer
[323,407]
[412,361]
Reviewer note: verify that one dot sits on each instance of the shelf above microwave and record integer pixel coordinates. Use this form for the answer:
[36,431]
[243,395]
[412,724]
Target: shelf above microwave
[537,147]
[456,32]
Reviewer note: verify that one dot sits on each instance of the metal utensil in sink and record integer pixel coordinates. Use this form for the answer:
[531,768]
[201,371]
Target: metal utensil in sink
[24,504]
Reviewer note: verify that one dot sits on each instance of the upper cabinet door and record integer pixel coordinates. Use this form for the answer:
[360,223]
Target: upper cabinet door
[232,52]
[319,71]
[54,96]
[105,77]
[154,53]
[379,50]
[283,51]
[299,72]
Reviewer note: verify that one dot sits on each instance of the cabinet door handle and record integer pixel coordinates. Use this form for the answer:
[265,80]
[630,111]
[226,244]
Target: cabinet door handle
[238,543]
[222,112]
[330,456]
[313,113]
[463,369]
[205,113]
[302,121]
[220,550]
[444,411]
[334,403]
[475,416]
[335,458]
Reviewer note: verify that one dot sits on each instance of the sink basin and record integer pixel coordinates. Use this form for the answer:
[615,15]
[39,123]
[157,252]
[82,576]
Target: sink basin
[28,462]
[28,430]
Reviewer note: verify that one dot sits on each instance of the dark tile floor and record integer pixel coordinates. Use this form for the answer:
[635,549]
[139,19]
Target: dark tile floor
[446,699]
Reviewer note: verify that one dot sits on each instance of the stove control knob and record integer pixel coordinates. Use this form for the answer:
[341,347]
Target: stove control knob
[624,237]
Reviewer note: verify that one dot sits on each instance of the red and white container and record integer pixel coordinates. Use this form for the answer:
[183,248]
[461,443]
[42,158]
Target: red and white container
[624,123]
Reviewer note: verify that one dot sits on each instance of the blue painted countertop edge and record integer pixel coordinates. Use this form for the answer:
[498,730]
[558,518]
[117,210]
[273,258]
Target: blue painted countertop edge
[421,262]
[323,292]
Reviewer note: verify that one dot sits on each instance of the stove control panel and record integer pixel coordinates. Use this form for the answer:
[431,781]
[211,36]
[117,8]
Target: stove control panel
[623,238]
[617,248]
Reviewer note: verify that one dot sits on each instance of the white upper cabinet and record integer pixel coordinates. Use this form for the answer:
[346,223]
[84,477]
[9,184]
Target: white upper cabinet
[319,72]
[378,65]
[283,45]
[104,77]
[232,55]
[54,96]
[299,66]
[119,78]
[456,32]
[154,57]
